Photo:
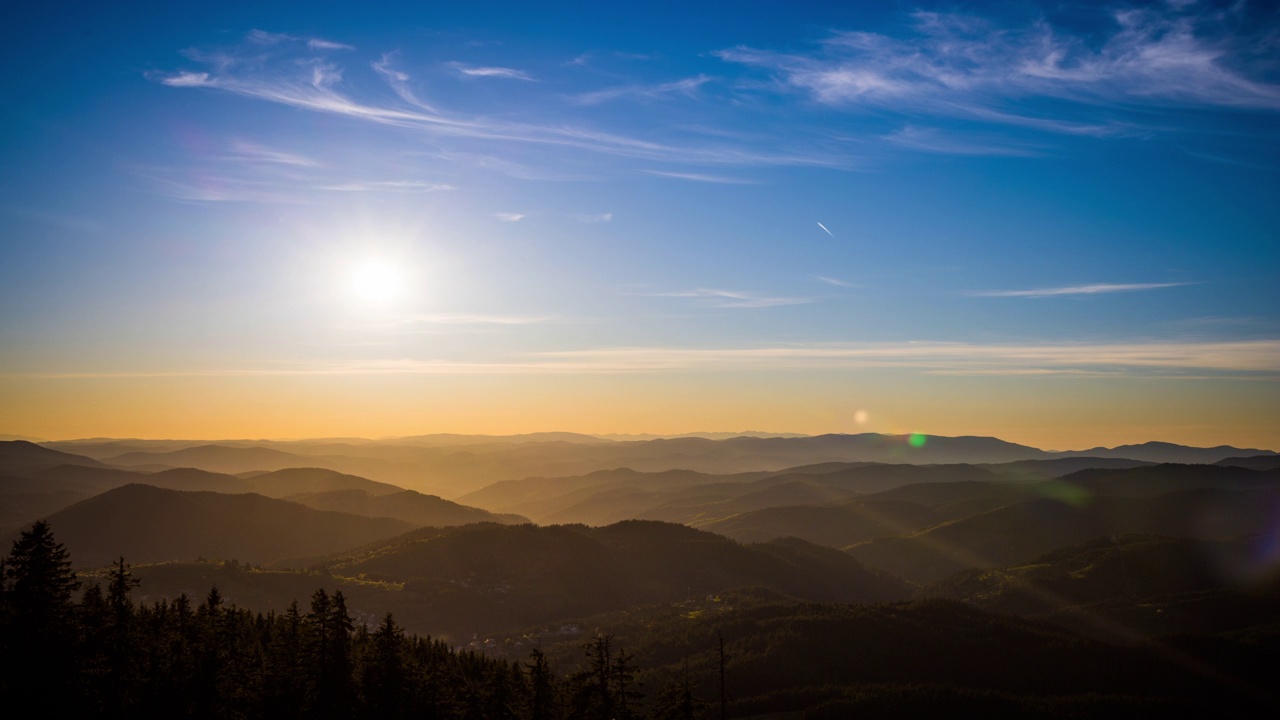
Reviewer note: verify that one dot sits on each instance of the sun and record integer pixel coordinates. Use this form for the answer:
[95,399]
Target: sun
[376,283]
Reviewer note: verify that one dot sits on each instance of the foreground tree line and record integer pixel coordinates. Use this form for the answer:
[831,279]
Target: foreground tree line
[105,656]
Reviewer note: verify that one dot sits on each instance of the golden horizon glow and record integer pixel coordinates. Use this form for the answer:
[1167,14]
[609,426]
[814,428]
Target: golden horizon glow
[1065,415]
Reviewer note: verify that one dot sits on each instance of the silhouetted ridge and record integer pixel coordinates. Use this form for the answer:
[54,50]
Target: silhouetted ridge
[18,457]
[406,505]
[495,576]
[151,524]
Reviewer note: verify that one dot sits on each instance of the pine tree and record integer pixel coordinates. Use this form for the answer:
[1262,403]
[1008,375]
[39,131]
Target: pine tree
[285,684]
[722,662]
[593,692]
[542,697]
[330,629]
[383,677]
[677,701]
[40,617]
[626,688]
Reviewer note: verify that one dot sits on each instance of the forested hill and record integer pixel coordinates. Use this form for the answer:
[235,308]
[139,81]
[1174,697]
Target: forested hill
[103,656]
[480,578]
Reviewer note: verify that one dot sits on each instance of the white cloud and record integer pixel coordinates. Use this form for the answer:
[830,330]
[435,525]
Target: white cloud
[186,79]
[936,141]
[510,217]
[600,218]
[687,87]
[322,44]
[312,84]
[473,319]
[406,186]
[491,72]
[262,37]
[702,177]
[834,281]
[257,153]
[732,298]
[1259,356]
[1172,360]
[1095,289]
[962,66]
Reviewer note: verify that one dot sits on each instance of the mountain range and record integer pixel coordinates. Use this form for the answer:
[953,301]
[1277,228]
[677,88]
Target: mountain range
[451,466]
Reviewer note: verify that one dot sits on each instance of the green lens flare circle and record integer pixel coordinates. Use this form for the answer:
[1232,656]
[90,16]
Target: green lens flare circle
[916,439]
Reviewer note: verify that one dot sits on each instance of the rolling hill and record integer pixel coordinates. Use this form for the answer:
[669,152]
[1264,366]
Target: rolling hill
[411,507]
[452,466]
[1127,567]
[1017,533]
[489,577]
[148,524]
[18,457]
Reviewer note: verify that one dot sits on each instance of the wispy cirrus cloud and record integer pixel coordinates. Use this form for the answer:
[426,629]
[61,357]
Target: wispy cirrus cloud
[477,71]
[257,153]
[949,143]
[277,72]
[976,68]
[1174,360]
[703,177]
[510,217]
[1260,356]
[1094,289]
[591,219]
[732,298]
[401,186]
[687,87]
[473,319]
[322,44]
[834,281]
[262,37]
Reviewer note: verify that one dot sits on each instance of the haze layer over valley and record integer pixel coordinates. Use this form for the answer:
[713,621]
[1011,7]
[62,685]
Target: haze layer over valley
[650,361]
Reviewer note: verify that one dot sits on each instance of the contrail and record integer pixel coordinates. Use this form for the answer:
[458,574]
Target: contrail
[825,230]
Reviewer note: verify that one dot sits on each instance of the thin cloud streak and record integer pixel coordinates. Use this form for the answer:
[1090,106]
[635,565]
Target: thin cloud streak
[473,319]
[402,186]
[1250,360]
[732,298]
[687,87]
[503,73]
[834,281]
[1096,289]
[322,44]
[311,83]
[700,177]
[256,153]
[1261,356]
[962,66]
[934,141]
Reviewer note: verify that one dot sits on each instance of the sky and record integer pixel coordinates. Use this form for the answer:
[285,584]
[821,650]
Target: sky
[1058,223]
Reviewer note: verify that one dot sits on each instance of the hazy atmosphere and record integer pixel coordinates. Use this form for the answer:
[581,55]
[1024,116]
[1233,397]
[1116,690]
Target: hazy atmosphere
[668,361]
[1054,224]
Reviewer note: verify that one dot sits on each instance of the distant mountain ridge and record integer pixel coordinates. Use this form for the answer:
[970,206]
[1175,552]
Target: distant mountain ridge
[147,524]
[18,456]
[472,462]
[1163,452]
[31,488]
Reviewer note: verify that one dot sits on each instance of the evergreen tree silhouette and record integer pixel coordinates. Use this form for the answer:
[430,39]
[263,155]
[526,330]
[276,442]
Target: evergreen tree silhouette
[39,619]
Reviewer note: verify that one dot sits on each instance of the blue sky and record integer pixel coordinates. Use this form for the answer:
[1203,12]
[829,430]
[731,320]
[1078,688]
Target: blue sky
[778,213]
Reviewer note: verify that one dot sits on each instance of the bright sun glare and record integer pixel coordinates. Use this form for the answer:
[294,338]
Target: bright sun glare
[376,283]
